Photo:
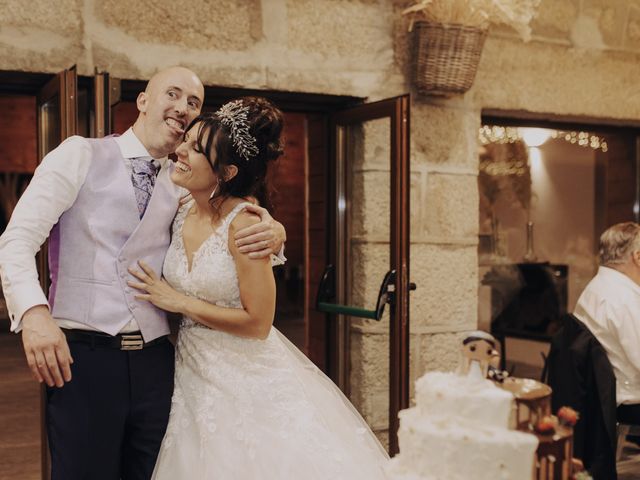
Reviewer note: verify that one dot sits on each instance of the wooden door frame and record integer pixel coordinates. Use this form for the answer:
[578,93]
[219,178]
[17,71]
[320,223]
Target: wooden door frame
[65,86]
[102,104]
[397,111]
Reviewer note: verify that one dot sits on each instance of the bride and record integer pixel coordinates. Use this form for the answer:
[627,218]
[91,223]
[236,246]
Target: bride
[247,404]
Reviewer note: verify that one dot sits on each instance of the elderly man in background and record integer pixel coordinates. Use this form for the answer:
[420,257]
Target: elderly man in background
[610,308]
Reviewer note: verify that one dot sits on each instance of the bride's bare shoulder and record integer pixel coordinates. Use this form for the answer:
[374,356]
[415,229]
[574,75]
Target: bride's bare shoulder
[244,219]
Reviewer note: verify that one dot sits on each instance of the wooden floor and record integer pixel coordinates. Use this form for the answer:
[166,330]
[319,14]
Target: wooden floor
[19,414]
[20,420]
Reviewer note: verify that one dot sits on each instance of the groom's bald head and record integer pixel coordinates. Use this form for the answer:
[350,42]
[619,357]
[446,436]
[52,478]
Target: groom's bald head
[173,97]
[174,73]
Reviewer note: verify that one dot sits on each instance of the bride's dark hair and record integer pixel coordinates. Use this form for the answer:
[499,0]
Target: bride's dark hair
[265,124]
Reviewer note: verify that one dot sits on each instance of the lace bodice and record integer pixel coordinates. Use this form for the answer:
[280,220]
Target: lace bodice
[213,275]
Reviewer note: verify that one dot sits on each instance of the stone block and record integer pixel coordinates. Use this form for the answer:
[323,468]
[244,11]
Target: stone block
[447,286]
[440,351]
[632,39]
[371,204]
[45,60]
[246,76]
[369,376]
[403,40]
[118,64]
[369,360]
[554,78]
[383,437]
[41,37]
[374,407]
[451,206]
[418,203]
[555,19]
[369,145]
[200,25]
[446,277]
[442,136]
[611,17]
[355,29]
[64,17]
[297,73]
[415,363]
[369,264]
[376,148]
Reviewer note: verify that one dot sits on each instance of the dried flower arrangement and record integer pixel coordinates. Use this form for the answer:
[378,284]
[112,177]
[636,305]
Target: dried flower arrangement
[508,161]
[477,13]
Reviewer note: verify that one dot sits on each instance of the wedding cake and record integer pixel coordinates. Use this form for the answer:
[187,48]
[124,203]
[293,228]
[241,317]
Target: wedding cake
[459,429]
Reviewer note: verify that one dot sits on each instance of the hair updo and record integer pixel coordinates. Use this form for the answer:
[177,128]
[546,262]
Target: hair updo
[265,124]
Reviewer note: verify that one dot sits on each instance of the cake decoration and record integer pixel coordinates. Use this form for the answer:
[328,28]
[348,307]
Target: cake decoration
[482,423]
[478,349]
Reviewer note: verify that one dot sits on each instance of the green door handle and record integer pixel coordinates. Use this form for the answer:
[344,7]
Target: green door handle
[327,292]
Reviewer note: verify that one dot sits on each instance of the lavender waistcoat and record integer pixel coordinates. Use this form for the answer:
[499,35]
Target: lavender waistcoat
[100,236]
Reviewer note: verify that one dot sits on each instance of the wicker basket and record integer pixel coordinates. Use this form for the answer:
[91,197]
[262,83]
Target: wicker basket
[446,57]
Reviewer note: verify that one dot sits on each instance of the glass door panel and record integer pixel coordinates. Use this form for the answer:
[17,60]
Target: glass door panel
[372,239]
[50,125]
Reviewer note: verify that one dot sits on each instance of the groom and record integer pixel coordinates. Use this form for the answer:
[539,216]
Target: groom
[105,356]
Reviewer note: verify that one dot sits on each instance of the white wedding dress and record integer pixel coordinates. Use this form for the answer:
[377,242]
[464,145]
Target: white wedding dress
[251,409]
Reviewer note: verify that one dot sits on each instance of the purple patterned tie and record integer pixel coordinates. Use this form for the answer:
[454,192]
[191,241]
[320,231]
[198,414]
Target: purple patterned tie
[143,177]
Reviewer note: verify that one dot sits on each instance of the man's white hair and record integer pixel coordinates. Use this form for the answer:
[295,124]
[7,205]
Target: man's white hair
[618,242]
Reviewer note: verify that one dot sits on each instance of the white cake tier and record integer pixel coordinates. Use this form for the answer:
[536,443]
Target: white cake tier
[472,401]
[451,449]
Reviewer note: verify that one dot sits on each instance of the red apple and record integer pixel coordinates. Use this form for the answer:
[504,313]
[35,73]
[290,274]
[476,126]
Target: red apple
[568,416]
[545,426]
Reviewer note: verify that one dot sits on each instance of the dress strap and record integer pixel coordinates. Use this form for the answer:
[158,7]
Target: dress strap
[231,215]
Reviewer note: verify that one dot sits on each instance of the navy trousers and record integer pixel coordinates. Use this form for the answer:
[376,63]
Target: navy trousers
[109,421]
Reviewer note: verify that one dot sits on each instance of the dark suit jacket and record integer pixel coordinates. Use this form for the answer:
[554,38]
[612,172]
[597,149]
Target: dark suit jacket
[582,378]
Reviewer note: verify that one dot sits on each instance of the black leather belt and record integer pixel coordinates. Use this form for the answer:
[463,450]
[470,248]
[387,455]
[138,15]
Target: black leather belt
[122,341]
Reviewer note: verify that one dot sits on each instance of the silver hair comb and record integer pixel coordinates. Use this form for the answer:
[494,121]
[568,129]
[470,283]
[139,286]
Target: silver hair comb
[234,115]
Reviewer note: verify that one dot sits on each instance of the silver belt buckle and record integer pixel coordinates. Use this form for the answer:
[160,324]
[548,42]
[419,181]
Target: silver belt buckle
[132,342]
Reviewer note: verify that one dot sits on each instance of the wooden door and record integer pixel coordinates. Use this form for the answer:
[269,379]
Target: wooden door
[102,87]
[373,139]
[57,119]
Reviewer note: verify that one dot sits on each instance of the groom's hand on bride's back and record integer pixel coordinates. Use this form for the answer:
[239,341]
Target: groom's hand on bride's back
[46,347]
[262,239]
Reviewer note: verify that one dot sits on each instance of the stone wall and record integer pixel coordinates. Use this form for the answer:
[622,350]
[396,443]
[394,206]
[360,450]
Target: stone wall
[582,60]
[331,46]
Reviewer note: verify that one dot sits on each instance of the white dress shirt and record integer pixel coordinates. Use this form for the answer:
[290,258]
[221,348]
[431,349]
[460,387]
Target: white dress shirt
[610,307]
[53,189]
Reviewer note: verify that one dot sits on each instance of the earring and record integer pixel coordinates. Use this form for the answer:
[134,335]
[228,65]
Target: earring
[213,194]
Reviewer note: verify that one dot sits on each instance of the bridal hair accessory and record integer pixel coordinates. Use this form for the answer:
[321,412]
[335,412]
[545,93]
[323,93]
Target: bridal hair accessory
[234,115]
